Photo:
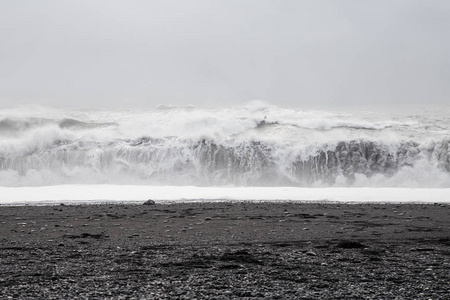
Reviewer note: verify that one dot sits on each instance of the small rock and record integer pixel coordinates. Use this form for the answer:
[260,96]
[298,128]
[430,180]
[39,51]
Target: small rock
[149,202]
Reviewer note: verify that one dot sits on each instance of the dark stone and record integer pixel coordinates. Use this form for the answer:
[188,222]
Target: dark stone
[350,245]
[149,202]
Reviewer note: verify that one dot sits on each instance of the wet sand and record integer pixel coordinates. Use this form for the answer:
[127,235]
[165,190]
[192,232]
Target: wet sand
[221,250]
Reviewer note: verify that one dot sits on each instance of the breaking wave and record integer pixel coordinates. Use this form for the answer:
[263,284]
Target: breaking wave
[243,146]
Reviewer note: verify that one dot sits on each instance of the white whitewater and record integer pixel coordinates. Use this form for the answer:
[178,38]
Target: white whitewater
[135,194]
[247,149]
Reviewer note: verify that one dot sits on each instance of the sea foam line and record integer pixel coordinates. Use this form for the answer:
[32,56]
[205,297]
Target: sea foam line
[132,193]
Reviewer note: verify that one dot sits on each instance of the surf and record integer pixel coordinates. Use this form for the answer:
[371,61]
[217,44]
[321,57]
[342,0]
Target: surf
[254,145]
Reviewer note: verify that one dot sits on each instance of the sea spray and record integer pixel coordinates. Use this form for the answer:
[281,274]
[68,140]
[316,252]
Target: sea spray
[253,145]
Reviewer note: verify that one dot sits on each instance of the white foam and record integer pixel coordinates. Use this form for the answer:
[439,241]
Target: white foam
[132,193]
[103,150]
[311,126]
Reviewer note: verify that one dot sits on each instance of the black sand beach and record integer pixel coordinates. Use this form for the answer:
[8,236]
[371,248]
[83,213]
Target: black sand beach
[223,250]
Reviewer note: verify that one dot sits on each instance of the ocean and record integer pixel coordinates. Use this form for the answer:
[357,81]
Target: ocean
[255,151]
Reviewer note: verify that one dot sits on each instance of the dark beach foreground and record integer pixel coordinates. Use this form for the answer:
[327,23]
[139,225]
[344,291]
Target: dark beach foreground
[222,250]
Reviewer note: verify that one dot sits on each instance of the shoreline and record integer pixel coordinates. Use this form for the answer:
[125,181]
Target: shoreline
[133,193]
[222,250]
[213,201]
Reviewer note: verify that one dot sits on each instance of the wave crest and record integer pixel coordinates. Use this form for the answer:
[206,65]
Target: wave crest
[172,161]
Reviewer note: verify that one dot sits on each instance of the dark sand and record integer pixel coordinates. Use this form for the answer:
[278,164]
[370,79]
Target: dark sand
[225,251]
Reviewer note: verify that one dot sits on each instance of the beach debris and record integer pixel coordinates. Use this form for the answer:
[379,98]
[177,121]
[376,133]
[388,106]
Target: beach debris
[149,202]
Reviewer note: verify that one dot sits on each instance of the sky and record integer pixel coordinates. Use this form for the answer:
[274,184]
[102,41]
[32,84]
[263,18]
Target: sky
[139,54]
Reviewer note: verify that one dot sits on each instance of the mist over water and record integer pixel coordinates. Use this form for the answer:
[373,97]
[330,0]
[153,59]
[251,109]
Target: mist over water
[250,145]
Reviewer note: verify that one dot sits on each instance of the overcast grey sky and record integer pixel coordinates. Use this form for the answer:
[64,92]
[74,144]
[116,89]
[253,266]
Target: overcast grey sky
[93,54]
